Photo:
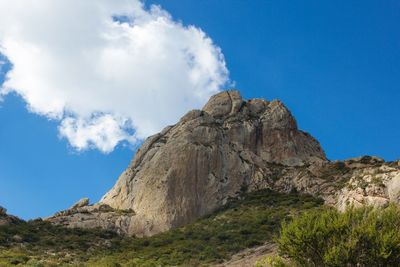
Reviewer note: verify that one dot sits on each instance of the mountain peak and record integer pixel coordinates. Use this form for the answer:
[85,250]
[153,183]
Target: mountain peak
[191,168]
[224,103]
[230,147]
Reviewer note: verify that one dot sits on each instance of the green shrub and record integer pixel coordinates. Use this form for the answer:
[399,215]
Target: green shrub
[357,237]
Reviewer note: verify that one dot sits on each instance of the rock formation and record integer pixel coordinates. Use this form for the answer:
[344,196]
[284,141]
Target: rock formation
[229,147]
[190,169]
[3,211]
[94,216]
[81,203]
[6,219]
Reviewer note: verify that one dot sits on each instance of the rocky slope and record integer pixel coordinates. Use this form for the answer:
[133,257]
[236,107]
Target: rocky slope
[229,147]
[99,215]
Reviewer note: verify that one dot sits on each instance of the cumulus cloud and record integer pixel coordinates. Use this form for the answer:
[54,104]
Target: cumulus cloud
[109,70]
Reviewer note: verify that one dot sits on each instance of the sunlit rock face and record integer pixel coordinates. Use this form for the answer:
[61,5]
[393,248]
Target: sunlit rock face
[229,147]
[191,168]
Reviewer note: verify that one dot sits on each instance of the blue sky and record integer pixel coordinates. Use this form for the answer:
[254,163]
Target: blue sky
[335,64]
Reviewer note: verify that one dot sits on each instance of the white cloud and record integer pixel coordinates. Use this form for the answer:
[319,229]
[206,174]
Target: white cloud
[106,81]
[103,132]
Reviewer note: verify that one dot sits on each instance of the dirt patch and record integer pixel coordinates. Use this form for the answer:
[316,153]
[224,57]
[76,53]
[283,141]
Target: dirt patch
[248,257]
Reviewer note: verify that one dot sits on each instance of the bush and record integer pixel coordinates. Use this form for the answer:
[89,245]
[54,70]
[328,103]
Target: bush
[357,237]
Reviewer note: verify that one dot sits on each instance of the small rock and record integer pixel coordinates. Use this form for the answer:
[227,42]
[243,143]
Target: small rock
[101,207]
[224,103]
[3,211]
[18,238]
[367,160]
[257,105]
[393,189]
[81,203]
[380,202]
[191,115]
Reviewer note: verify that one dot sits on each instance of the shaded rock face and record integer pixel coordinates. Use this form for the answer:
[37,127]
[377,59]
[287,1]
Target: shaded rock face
[3,211]
[192,168]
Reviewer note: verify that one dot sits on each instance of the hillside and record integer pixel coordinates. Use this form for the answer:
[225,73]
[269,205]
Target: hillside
[231,146]
[243,223]
[212,189]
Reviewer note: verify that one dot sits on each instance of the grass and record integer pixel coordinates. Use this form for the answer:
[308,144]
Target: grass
[243,223]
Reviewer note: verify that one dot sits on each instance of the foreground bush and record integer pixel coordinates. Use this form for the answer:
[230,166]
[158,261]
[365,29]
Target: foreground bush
[358,237]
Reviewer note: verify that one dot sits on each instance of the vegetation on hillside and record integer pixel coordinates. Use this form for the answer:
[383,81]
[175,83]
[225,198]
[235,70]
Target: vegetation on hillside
[358,237]
[246,222]
[38,243]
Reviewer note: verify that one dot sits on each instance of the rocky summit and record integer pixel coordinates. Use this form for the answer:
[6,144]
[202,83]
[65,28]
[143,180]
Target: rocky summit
[230,147]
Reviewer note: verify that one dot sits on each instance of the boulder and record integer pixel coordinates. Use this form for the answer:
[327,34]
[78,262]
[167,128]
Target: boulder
[3,211]
[6,219]
[393,189]
[81,203]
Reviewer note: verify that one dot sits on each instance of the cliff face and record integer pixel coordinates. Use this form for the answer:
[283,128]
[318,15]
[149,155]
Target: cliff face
[229,147]
[190,169]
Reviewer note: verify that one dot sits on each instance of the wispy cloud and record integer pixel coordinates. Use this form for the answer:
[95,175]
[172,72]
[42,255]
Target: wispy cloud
[108,70]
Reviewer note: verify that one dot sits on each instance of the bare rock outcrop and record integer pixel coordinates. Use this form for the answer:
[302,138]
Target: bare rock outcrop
[360,181]
[80,203]
[6,219]
[3,211]
[192,168]
[231,146]
[373,183]
[94,216]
